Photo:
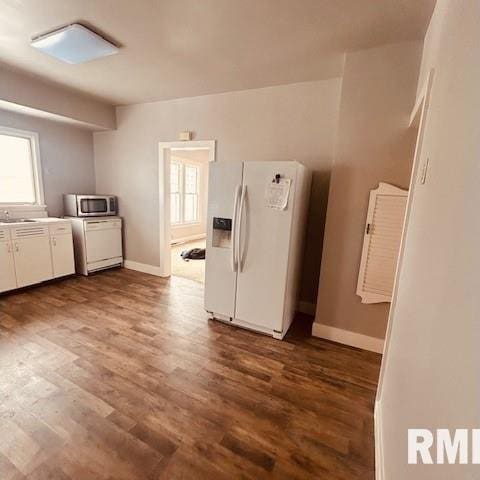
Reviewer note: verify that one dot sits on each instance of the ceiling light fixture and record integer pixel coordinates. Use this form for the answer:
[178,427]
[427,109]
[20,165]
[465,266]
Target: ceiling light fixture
[74,44]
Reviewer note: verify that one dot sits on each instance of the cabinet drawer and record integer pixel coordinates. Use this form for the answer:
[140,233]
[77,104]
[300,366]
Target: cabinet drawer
[60,229]
[28,231]
[4,234]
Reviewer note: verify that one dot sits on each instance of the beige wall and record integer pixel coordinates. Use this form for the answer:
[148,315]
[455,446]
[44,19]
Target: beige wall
[66,154]
[431,363]
[286,122]
[200,158]
[373,145]
[20,91]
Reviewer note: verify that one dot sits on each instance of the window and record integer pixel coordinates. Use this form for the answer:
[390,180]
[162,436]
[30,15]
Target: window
[184,181]
[20,182]
[190,213]
[175,214]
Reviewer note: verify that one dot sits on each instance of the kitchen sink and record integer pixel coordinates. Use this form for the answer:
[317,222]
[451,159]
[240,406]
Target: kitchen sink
[16,220]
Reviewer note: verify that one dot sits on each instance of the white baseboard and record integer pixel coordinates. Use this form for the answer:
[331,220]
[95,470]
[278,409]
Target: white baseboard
[379,472]
[346,337]
[307,307]
[143,267]
[191,238]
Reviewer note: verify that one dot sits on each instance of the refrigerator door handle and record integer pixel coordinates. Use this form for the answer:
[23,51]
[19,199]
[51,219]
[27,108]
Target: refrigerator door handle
[234,229]
[239,229]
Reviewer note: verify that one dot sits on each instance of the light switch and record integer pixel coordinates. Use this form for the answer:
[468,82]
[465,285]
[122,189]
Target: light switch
[423,177]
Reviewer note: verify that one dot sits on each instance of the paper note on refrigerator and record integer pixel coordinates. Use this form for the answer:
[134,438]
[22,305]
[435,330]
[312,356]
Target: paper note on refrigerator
[276,194]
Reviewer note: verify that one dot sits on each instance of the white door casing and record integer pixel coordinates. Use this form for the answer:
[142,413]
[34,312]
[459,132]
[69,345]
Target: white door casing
[418,119]
[164,194]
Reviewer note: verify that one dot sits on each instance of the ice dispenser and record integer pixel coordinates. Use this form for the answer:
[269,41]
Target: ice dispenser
[222,232]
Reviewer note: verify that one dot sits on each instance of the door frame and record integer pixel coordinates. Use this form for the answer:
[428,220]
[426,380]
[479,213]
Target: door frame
[164,153]
[418,118]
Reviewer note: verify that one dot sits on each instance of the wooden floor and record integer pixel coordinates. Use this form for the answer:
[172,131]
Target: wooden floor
[121,376]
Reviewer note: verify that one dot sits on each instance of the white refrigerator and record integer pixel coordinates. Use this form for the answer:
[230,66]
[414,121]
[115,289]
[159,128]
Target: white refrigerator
[255,231]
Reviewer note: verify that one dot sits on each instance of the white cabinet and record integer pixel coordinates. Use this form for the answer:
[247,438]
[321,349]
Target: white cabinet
[33,262]
[381,243]
[34,252]
[8,280]
[62,254]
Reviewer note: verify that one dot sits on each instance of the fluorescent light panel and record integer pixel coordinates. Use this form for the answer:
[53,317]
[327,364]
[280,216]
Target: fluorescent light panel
[74,44]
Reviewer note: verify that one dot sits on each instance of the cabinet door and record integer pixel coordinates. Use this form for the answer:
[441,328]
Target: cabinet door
[8,280]
[381,243]
[62,255]
[33,260]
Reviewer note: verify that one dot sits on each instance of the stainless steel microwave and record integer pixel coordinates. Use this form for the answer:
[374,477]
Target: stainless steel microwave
[89,205]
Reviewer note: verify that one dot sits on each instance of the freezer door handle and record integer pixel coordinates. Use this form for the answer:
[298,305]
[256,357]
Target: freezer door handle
[234,229]
[239,229]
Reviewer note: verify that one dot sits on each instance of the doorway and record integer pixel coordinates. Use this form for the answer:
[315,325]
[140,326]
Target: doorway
[184,170]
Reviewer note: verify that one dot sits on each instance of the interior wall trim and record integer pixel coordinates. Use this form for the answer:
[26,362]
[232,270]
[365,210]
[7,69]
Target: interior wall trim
[379,465]
[190,238]
[143,267]
[346,337]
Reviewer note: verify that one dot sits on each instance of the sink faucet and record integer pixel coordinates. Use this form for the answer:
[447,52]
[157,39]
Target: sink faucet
[7,215]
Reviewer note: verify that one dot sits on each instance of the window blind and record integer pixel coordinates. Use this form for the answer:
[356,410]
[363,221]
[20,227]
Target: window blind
[381,244]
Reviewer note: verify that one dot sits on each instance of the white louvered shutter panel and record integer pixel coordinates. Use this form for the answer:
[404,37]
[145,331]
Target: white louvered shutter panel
[381,243]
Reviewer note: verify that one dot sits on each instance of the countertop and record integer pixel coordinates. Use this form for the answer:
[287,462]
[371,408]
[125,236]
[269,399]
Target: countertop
[36,220]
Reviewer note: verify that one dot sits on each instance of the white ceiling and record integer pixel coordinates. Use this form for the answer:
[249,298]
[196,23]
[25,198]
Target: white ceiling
[180,48]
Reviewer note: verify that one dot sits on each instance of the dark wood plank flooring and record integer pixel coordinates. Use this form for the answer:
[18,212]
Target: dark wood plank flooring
[122,376]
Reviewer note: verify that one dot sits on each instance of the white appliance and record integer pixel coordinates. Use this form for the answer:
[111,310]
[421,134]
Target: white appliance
[98,243]
[256,222]
[75,205]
